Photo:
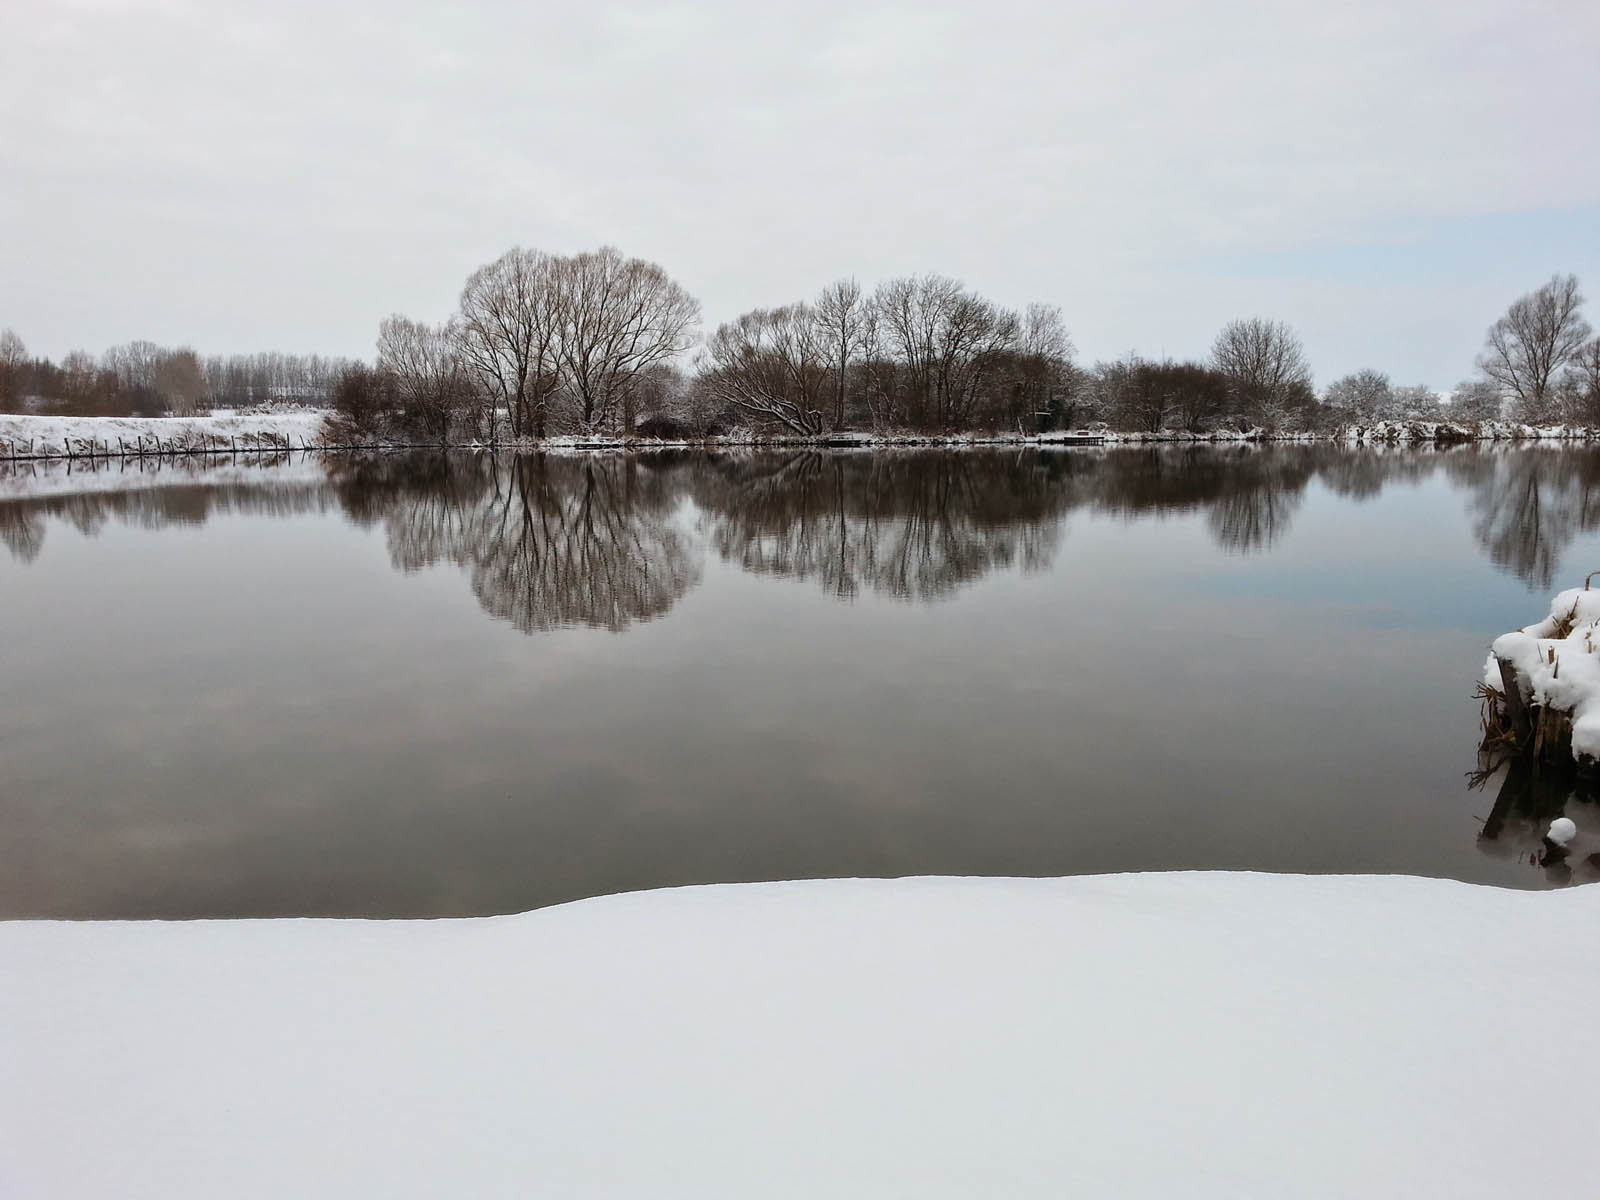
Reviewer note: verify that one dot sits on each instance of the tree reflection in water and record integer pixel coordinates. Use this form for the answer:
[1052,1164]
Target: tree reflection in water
[548,541]
[1528,505]
[152,495]
[1248,494]
[604,540]
[910,525]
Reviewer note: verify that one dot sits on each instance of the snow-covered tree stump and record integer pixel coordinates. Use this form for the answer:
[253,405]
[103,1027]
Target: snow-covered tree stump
[1541,685]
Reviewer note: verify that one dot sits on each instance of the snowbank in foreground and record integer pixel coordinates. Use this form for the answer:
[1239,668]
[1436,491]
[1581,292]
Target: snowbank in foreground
[1155,1035]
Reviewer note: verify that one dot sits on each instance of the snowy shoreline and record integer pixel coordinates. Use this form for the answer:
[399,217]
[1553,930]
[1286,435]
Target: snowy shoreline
[32,437]
[1139,1035]
[28,437]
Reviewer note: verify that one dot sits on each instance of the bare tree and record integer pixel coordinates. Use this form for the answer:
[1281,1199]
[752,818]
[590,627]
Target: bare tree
[179,382]
[1144,397]
[82,380]
[508,333]
[660,402]
[13,364]
[242,380]
[1044,366]
[1581,382]
[429,377]
[700,408]
[1365,396]
[618,317]
[361,397]
[772,364]
[1266,365]
[844,318]
[1368,395]
[946,343]
[1416,402]
[1540,333]
[1475,400]
[134,364]
[1147,395]
[1199,394]
[1109,383]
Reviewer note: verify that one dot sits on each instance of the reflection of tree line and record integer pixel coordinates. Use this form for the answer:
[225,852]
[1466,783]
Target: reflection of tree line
[547,541]
[1248,495]
[551,540]
[1528,506]
[186,501]
[913,526]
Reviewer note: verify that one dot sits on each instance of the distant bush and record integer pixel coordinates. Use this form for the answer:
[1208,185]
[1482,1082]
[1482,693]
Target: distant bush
[664,428]
[362,396]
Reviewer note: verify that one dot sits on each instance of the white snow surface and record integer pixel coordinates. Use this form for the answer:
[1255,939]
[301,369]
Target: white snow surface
[302,426]
[1563,672]
[1409,431]
[1195,1035]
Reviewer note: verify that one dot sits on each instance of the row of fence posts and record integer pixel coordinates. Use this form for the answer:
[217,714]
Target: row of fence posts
[89,449]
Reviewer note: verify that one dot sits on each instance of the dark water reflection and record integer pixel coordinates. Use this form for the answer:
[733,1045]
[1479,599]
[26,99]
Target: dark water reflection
[1527,798]
[546,541]
[265,689]
[910,526]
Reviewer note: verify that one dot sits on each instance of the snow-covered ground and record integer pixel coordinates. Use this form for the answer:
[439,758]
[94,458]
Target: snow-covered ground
[1410,431]
[303,428]
[52,435]
[1194,1035]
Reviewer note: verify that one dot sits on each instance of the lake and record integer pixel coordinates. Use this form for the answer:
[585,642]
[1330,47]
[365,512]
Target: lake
[451,685]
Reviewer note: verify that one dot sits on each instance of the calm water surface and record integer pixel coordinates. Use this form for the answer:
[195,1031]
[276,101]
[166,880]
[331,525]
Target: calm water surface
[461,685]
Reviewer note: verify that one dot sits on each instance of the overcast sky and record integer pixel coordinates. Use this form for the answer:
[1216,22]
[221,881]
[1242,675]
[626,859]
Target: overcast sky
[1384,176]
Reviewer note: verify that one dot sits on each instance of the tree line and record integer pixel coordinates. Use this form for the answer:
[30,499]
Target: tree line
[601,343]
[141,378]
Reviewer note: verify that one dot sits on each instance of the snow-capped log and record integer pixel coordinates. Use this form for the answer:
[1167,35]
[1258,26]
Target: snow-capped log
[1541,684]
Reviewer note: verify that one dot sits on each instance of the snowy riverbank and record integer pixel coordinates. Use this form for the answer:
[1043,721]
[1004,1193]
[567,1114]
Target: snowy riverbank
[28,436]
[1149,1035]
[56,436]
